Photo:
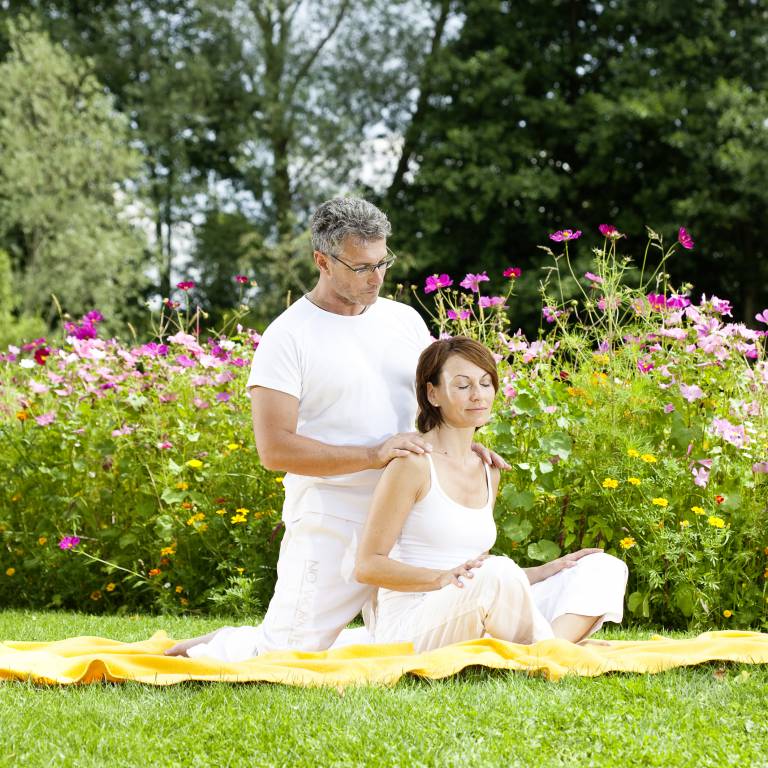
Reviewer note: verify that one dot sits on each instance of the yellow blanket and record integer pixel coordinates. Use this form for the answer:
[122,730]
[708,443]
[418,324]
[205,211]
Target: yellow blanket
[95,659]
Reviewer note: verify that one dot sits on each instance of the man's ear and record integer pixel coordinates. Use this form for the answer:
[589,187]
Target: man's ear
[322,261]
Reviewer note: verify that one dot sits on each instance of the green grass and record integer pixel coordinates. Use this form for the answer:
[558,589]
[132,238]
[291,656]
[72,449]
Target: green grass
[701,716]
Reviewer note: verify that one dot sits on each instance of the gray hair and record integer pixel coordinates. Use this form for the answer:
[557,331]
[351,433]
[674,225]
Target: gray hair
[343,217]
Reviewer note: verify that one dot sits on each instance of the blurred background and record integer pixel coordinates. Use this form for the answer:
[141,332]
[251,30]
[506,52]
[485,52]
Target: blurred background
[144,143]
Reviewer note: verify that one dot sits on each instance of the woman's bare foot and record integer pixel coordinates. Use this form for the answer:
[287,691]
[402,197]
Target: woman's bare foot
[181,648]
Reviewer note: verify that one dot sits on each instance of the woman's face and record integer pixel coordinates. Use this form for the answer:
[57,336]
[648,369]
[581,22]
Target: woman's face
[464,393]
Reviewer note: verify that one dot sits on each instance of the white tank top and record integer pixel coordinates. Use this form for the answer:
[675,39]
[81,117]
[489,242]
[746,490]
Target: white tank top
[441,533]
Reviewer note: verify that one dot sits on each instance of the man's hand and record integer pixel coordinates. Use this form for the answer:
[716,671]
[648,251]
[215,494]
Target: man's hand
[489,457]
[541,572]
[398,446]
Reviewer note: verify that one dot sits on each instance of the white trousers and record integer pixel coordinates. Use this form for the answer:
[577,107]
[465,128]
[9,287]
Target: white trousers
[315,597]
[499,601]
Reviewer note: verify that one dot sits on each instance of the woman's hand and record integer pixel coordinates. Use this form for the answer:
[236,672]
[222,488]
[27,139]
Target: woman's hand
[464,571]
[541,572]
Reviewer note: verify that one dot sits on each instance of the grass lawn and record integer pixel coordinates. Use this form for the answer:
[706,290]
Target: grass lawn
[704,716]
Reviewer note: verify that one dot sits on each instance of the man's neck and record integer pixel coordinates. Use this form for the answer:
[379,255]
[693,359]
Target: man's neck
[334,304]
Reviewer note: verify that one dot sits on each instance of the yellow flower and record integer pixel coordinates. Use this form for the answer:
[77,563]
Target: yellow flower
[184,601]
[221,511]
[233,446]
[242,511]
[632,453]
[42,541]
[765,574]
[279,479]
[167,551]
[15,497]
[627,542]
[727,613]
[716,522]
[659,502]
[179,589]
[684,523]
[10,571]
[600,358]
[240,570]
[698,511]
[196,518]
[195,464]
[111,586]
[238,519]
[648,458]
[96,594]
[182,486]
[634,480]
[609,482]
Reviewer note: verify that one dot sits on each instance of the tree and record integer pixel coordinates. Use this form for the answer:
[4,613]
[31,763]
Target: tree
[62,208]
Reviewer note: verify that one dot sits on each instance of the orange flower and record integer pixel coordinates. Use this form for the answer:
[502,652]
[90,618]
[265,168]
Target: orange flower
[96,594]
[154,571]
[187,505]
[179,590]
[719,499]
[184,601]
[22,415]
[111,586]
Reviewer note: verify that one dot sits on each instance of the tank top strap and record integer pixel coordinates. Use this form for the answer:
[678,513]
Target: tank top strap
[489,485]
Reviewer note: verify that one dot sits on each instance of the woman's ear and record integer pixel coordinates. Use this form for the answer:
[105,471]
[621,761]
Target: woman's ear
[431,395]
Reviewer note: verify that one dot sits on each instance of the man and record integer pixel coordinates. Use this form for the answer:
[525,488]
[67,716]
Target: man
[333,401]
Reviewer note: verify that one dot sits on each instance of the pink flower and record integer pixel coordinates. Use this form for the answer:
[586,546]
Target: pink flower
[516,272]
[69,542]
[165,445]
[668,408]
[491,301]
[242,279]
[124,430]
[463,314]
[657,300]
[564,235]
[731,433]
[185,361]
[762,317]
[222,397]
[510,392]
[593,277]
[700,476]
[608,230]
[685,239]
[551,314]
[41,355]
[760,467]
[46,418]
[678,302]
[171,304]
[433,282]
[691,392]
[200,404]
[186,285]
[472,282]
[721,306]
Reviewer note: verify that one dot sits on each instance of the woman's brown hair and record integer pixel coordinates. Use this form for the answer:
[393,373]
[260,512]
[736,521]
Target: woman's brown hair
[430,367]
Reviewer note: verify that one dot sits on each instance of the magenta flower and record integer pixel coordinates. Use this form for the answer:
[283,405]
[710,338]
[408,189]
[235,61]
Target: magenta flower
[433,282]
[186,285]
[41,355]
[645,365]
[185,361]
[472,282]
[171,304]
[516,272]
[165,445]
[678,302]
[762,317]
[592,277]
[657,301]
[491,301]
[462,314]
[69,542]
[564,235]
[608,230]
[551,314]
[684,238]
[242,279]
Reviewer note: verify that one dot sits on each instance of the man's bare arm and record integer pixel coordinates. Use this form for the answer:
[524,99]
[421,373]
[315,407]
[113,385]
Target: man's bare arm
[275,418]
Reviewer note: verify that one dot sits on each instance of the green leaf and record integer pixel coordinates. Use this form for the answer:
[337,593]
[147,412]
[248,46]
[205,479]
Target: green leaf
[684,600]
[545,467]
[173,495]
[127,540]
[515,499]
[543,551]
[525,403]
[557,444]
[635,602]
[516,529]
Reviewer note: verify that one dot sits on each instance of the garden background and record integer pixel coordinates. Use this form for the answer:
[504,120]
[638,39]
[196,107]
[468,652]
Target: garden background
[159,164]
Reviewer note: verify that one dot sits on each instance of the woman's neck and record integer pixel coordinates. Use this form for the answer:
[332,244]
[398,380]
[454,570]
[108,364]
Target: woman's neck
[453,442]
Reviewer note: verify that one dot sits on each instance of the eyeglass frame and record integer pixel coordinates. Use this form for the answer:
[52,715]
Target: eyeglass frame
[367,268]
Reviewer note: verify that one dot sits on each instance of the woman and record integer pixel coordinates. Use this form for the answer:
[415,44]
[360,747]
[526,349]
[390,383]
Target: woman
[430,526]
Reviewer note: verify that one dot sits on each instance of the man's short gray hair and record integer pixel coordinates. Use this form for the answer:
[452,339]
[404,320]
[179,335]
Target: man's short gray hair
[343,217]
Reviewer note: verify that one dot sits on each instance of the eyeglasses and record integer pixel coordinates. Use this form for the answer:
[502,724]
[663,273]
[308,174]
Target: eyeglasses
[368,269]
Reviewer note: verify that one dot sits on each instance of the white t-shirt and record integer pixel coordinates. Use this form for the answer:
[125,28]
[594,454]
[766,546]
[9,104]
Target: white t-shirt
[354,378]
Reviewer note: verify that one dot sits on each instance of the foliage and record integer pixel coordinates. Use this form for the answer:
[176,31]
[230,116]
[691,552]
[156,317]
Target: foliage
[638,423]
[64,153]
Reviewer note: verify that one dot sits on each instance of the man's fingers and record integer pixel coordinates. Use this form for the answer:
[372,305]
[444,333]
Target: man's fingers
[499,461]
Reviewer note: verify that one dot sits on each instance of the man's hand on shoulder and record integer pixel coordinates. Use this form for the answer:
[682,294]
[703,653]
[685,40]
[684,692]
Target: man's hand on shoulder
[398,446]
[489,457]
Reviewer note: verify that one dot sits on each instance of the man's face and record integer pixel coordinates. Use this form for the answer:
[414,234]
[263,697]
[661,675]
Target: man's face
[350,287]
